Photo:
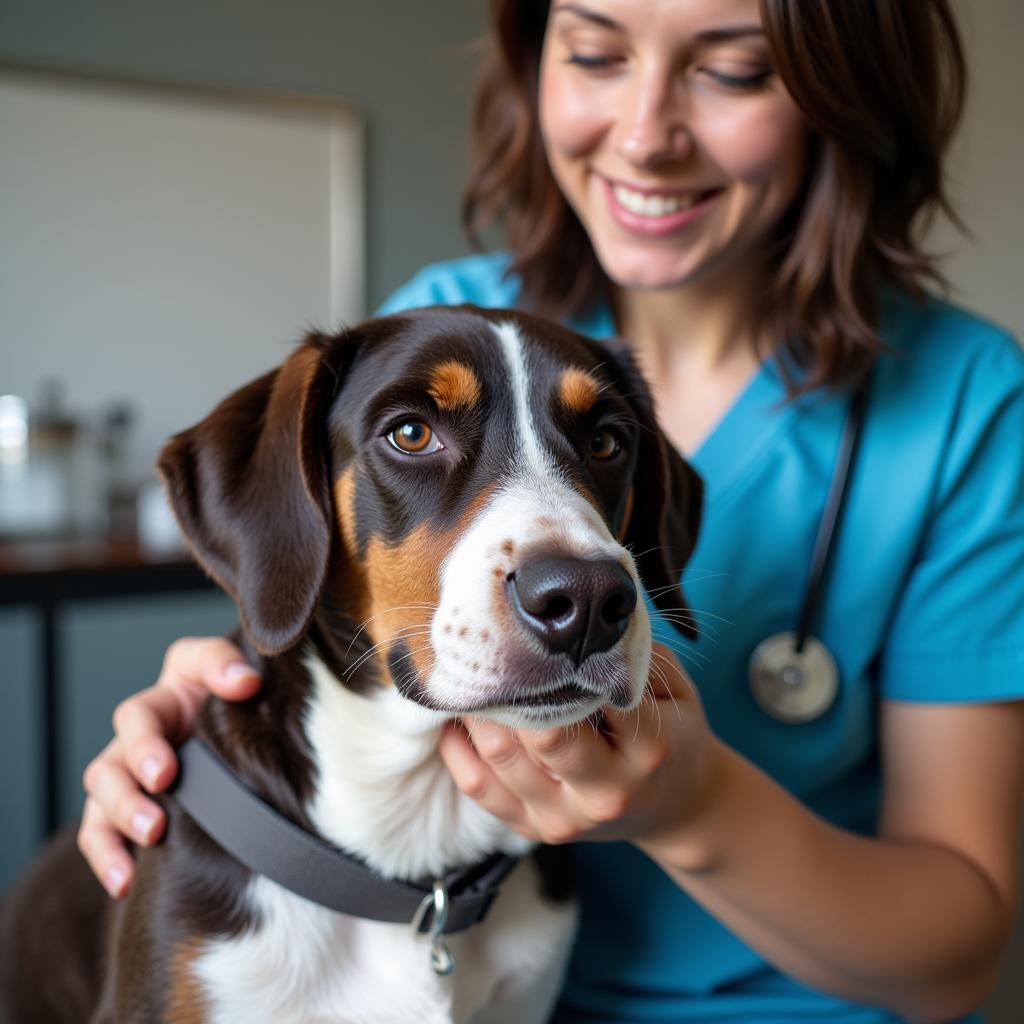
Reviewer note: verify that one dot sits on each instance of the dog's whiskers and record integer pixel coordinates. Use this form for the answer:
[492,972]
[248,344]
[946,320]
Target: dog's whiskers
[396,608]
[685,653]
[688,581]
[681,649]
[698,614]
[663,677]
[678,619]
[405,633]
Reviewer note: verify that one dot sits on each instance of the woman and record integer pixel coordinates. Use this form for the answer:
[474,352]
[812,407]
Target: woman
[737,190]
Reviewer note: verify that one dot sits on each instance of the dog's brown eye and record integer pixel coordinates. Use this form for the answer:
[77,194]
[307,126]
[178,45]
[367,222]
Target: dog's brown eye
[604,444]
[414,437]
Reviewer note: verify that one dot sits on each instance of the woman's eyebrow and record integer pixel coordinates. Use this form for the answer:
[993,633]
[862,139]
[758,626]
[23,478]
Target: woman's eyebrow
[589,15]
[710,35]
[723,35]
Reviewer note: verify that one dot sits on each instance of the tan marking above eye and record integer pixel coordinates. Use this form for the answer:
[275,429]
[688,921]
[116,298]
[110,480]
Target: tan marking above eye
[454,386]
[578,391]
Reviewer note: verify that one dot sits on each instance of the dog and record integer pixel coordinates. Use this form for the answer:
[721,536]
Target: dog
[443,512]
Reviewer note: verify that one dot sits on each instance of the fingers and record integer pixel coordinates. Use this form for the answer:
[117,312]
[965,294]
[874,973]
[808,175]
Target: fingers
[115,808]
[146,725]
[506,753]
[579,756]
[477,780]
[116,794]
[198,666]
[150,722]
[564,781]
[104,849]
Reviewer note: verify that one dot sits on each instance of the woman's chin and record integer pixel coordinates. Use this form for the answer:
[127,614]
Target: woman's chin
[648,278]
[641,268]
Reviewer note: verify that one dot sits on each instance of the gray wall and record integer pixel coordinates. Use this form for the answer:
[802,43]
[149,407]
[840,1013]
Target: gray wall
[987,164]
[404,63]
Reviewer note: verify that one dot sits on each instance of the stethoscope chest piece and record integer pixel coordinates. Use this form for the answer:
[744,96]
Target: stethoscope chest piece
[790,685]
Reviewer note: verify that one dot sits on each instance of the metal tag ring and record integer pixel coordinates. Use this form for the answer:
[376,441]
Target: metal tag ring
[436,903]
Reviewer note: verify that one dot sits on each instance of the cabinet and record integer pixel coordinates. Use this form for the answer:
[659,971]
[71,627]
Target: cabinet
[80,629]
[21,798]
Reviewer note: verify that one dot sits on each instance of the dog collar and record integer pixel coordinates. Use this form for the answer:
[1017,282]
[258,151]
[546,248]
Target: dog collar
[268,843]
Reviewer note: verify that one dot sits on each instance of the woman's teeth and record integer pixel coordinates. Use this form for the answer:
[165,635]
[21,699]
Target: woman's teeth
[654,206]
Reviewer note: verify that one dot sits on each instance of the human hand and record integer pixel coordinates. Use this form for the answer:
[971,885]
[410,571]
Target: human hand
[640,775]
[141,753]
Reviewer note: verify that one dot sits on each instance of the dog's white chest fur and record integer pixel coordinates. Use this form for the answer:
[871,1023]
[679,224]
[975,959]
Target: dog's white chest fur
[383,793]
[304,963]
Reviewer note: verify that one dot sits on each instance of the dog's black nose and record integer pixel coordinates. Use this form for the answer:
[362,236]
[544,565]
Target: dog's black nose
[574,605]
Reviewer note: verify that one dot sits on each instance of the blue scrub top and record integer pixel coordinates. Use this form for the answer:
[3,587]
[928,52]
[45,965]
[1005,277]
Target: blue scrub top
[925,602]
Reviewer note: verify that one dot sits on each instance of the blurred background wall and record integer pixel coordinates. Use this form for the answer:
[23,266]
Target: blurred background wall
[986,168]
[405,67]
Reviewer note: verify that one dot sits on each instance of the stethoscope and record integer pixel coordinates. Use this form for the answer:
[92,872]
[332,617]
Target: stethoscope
[793,675]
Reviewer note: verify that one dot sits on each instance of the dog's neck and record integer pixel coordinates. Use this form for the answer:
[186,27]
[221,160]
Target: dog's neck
[382,791]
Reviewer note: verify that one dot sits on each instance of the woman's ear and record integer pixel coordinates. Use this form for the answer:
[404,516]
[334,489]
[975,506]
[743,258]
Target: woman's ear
[250,486]
[667,498]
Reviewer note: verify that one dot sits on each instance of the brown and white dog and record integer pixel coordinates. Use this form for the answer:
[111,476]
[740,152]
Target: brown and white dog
[442,512]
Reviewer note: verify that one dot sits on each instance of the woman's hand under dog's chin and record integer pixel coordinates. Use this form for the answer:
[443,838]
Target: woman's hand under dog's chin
[640,775]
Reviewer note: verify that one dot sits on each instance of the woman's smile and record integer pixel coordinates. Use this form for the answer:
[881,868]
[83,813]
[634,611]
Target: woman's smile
[657,211]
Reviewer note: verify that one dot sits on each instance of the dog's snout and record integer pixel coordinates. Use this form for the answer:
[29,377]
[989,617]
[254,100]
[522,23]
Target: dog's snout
[575,606]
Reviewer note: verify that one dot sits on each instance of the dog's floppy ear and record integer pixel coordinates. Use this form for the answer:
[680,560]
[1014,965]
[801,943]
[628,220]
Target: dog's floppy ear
[664,518]
[250,487]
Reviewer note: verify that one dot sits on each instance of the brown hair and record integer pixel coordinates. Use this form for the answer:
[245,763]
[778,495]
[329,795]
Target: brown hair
[881,84]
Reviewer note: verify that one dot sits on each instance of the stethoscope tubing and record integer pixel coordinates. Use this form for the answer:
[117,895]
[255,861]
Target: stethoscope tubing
[793,676]
[831,516]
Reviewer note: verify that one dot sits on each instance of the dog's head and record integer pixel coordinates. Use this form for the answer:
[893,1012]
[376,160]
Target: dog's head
[479,492]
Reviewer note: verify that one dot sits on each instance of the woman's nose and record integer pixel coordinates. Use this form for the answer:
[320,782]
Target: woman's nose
[652,127]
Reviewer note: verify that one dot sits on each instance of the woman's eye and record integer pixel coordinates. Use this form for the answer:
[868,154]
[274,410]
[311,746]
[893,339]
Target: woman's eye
[739,82]
[604,445]
[414,437]
[584,60]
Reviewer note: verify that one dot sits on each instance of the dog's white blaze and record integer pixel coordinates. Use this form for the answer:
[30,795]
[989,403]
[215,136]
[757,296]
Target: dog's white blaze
[382,790]
[301,962]
[535,457]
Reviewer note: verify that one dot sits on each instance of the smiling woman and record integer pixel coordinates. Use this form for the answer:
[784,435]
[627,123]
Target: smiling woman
[660,127]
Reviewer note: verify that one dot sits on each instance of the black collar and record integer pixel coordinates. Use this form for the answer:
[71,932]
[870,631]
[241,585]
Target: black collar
[264,840]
